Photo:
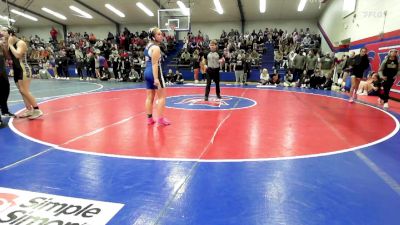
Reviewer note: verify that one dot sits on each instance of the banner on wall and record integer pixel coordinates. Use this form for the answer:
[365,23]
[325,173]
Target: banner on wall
[377,53]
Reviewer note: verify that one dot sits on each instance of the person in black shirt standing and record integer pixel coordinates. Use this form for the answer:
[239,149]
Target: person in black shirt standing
[239,70]
[213,61]
[196,65]
[4,83]
[388,71]
[361,63]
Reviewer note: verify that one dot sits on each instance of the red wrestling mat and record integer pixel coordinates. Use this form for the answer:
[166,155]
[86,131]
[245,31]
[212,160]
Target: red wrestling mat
[279,124]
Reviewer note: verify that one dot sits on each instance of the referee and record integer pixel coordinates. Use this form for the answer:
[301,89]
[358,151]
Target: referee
[213,61]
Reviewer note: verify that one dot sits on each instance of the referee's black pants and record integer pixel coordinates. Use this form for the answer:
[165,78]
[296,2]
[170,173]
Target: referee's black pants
[4,93]
[212,74]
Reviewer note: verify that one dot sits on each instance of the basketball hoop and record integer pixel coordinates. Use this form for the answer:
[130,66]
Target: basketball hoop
[175,17]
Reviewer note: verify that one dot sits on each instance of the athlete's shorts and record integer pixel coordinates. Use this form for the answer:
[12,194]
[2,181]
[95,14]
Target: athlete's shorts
[359,76]
[149,79]
[21,75]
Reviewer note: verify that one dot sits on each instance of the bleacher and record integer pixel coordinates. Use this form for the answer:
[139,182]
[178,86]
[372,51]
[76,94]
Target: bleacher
[187,71]
[173,50]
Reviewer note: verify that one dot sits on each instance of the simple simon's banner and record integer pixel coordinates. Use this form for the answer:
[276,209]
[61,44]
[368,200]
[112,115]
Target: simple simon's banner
[25,207]
[377,53]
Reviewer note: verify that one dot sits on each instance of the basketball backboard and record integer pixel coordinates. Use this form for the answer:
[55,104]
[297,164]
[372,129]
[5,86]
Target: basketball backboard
[173,19]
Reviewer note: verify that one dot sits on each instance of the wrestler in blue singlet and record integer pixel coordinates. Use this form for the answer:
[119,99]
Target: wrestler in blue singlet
[148,72]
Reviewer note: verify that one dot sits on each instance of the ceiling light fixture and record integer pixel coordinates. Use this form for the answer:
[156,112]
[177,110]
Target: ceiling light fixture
[218,6]
[185,11]
[81,12]
[301,6]
[114,10]
[24,15]
[56,14]
[263,6]
[349,5]
[145,9]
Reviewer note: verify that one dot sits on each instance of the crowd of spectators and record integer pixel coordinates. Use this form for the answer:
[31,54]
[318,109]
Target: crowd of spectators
[119,56]
[297,54]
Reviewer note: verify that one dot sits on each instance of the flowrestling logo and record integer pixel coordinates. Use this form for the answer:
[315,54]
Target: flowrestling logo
[23,207]
[197,102]
[7,200]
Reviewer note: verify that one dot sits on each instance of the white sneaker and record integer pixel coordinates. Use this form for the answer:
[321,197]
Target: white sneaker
[380,101]
[36,114]
[81,78]
[27,113]
[196,81]
[386,105]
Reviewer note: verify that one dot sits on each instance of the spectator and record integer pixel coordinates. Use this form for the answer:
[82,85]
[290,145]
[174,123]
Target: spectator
[327,83]
[317,79]
[169,77]
[196,65]
[361,63]
[255,57]
[79,62]
[306,41]
[371,86]
[247,68]
[348,66]
[43,71]
[203,66]
[299,62]
[311,63]
[92,38]
[326,64]
[275,78]
[178,77]
[225,64]
[53,34]
[289,79]
[291,56]
[389,69]
[278,58]
[239,70]
[185,57]
[114,58]
[264,76]
[110,36]
[340,66]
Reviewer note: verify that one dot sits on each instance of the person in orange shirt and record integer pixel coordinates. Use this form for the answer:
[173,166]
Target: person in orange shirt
[203,66]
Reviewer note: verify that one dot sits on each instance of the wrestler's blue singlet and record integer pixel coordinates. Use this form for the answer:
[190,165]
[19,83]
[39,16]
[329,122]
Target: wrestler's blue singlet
[148,72]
